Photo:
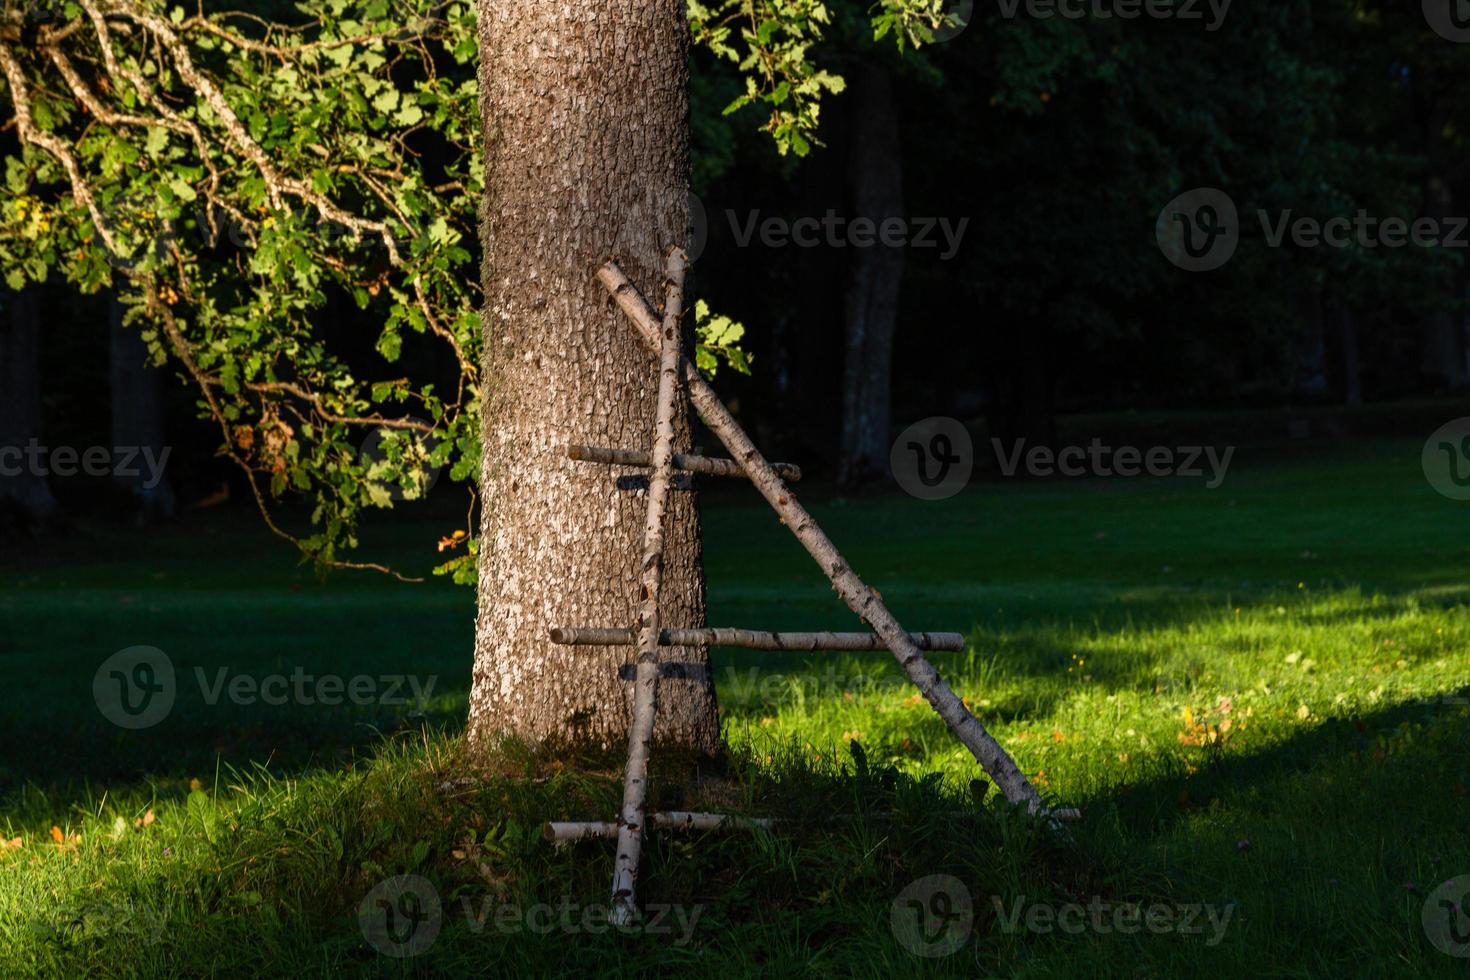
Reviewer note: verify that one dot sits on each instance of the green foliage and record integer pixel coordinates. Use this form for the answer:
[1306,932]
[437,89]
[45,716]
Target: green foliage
[463,570]
[718,338]
[233,179]
[913,23]
[772,42]
[228,179]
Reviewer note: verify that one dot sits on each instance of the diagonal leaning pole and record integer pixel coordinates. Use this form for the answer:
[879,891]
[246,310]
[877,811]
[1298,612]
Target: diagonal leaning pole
[860,598]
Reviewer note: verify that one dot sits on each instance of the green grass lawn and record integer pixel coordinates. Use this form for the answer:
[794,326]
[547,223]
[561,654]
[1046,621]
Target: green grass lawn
[1257,694]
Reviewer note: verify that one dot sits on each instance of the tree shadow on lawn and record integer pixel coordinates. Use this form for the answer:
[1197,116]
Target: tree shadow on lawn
[259,675]
[279,893]
[1418,743]
[90,756]
[1320,888]
[1329,841]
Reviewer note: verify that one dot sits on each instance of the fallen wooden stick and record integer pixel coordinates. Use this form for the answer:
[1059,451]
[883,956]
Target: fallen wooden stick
[645,685]
[688,462]
[566,831]
[562,831]
[725,636]
[861,599]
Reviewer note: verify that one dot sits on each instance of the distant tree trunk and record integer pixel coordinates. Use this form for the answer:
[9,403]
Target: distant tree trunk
[138,418]
[875,175]
[586,152]
[20,406]
[1442,353]
[1022,406]
[1347,343]
[1311,367]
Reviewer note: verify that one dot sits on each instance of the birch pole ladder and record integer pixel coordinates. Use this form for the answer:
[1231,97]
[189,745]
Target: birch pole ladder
[662,335]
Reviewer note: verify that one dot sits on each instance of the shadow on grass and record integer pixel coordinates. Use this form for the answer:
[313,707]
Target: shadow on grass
[272,883]
[1397,763]
[1324,845]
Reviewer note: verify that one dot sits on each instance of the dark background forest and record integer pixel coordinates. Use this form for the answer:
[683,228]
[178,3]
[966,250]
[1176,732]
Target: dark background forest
[1049,146]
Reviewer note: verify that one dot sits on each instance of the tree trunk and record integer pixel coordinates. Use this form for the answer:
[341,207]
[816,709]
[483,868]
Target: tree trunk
[1021,390]
[1311,367]
[1347,342]
[21,482]
[137,418]
[1442,359]
[585,114]
[1442,354]
[875,175]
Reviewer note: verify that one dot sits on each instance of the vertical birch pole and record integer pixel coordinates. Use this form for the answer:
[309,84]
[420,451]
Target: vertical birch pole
[645,683]
[860,598]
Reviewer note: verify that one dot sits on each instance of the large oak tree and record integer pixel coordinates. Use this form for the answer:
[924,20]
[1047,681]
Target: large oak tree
[586,153]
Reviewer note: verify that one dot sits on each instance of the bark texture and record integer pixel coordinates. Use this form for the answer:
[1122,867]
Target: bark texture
[20,405]
[585,118]
[875,175]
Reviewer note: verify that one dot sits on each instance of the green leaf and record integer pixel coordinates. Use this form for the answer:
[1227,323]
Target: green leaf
[386,101]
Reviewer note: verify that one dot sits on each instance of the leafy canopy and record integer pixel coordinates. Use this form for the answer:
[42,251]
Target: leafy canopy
[228,176]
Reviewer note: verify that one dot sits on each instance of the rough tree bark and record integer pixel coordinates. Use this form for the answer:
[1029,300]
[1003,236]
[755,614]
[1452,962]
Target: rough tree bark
[586,151]
[20,404]
[875,175]
[137,415]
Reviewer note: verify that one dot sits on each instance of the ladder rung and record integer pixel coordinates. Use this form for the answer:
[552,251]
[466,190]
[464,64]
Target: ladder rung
[562,831]
[688,462]
[596,636]
[565,831]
